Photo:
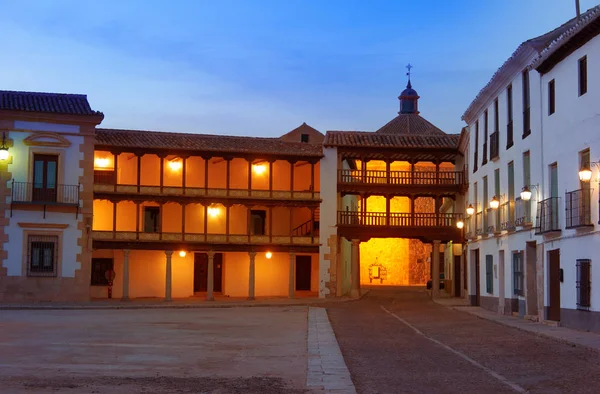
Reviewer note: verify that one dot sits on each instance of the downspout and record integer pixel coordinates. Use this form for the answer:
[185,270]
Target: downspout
[541,188]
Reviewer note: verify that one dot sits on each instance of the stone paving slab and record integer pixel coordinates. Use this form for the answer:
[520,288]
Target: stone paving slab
[585,339]
[327,371]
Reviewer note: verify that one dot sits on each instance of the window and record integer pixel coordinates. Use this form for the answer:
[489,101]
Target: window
[583,76]
[476,153]
[485,138]
[526,114]
[497,194]
[485,203]
[518,274]
[304,138]
[489,273]
[551,98]
[151,219]
[496,116]
[45,177]
[509,117]
[258,220]
[42,254]
[99,268]
[584,160]
[584,284]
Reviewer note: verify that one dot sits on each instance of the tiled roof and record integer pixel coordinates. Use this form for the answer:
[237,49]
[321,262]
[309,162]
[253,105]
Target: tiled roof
[410,124]
[586,19]
[510,67]
[56,103]
[157,140]
[316,137]
[378,140]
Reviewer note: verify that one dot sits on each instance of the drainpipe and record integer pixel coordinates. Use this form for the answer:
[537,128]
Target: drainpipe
[541,188]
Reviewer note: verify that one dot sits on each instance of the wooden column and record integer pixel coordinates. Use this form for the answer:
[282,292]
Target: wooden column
[437,210]
[227,207]
[387,172]
[251,274]
[205,176]
[211,276]
[270,224]
[137,220]
[249,220]
[183,222]
[387,210]
[205,221]
[270,179]
[292,165]
[160,220]
[169,255]
[114,220]
[115,169]
[183,173]
[125,296]
[139,171]
[292,275]
[249,177]
[412,172]
[162,173]
[312,179]
[363,170]
[228,181]
[437,172]
[412,211]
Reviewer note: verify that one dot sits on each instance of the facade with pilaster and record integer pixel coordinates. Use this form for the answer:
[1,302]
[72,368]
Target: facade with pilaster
[530,131]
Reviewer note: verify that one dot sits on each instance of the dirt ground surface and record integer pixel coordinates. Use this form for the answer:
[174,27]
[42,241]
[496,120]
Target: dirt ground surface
[232,350]
[417,346]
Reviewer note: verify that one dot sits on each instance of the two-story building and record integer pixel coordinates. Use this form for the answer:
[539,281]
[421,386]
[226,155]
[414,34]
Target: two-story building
[519,223]
[46,173]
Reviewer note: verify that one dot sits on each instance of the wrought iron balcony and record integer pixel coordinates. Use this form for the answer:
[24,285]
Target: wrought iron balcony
[491,221]
[578,208]
[35,193]
[522,212]
[403,178]
[397,219]
[507,219]
[494,145]
[547,216]
[479,223]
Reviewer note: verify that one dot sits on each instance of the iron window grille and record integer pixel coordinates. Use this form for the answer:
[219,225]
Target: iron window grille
[584,284]
[578,208]
[42,255]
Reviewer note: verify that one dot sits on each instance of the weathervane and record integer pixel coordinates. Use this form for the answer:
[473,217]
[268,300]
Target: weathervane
[408,73]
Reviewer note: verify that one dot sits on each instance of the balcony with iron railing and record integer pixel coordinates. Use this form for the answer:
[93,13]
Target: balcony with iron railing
[522,213]
[507,219]
[491,221]
[479,223]
[29,193]
[547,216]
[578,209]
[494,145]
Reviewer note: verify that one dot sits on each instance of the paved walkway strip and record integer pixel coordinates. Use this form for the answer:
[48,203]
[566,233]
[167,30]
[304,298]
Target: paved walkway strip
[492,373]
[327,370]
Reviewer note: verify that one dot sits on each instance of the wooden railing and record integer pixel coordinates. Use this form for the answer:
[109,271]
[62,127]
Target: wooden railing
[547,216]
[397,219]
[405,178]
[578,208]
[98,235]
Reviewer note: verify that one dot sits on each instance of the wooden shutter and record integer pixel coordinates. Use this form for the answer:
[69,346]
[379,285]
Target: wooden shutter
[489,273]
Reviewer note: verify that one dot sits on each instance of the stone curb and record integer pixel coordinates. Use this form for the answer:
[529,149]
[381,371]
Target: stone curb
[521,328]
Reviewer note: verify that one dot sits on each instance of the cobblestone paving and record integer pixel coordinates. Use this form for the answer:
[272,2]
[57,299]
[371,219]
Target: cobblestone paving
[416,346]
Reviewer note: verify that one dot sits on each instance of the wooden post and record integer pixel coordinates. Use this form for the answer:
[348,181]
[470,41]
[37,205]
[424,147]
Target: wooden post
[249,179]
[160,220]
[291,223]
[412,173]
[249,224]
[227,222]
[412,211]
[114,220]
[270,224]
[183,173]
[139,172]
[292,164]
[437,172]
[162,172]
[387,210]
[115,170]
[312,225]
[387,172]
[228,174]
[270,179]
[183,221]
[437,210]
[205,177]
[137,220]
[205,221]
[312,179]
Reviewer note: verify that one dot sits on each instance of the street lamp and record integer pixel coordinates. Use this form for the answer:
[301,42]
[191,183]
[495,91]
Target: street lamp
[470,210]
[3,148]
[494,203]
[460,224]
[526,192]
[585,173]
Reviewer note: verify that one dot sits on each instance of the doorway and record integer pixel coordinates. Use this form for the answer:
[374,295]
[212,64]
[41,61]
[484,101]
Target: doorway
[554,285]
[45,177]
[303,272]
[201,272]
[457,276]
[477,279]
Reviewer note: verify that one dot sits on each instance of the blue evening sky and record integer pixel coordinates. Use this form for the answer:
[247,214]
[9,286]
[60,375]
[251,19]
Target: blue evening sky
[262,67]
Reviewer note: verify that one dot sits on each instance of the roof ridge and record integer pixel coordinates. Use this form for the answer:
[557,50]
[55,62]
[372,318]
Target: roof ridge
[175,133]
[44,93]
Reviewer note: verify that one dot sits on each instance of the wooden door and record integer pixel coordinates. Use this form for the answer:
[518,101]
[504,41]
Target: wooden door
[477,280]
[303,272]
[554,285]
[151,219]
[45,175]
[456,276]
[201,272]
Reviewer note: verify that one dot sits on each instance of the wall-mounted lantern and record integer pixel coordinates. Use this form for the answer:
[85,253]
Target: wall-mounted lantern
[470,210]
[494,203]
[460,224]
[4,148]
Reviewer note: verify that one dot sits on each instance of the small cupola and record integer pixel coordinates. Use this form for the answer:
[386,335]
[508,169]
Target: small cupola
[409,98]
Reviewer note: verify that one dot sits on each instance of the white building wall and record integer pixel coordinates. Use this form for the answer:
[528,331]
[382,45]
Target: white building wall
[574,127]
[328,220]
[69,173]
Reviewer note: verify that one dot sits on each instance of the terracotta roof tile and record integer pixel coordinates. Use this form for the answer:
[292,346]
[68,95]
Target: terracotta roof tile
[410,124]
[378,140]
[158,140]
[57,103]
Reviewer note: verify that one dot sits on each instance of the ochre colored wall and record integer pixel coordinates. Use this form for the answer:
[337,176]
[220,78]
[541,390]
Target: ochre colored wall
[103,215]
[150,173]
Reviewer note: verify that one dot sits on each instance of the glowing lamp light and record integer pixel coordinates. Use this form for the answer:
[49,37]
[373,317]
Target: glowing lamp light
[213,211]
[460,224]
[525,194]
[101,162]
[585,174]
[259,169]
[494,203]
[182,253]
[175,165]
[470,210]
[269,255]
[3,148]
